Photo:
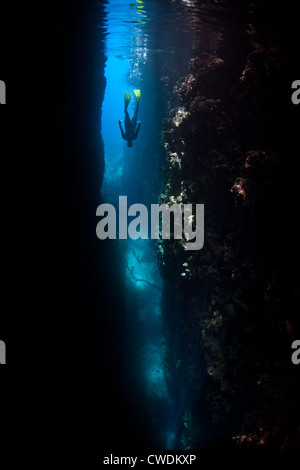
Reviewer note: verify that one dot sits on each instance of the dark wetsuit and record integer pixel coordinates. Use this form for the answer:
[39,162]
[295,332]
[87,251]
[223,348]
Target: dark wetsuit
[132,127]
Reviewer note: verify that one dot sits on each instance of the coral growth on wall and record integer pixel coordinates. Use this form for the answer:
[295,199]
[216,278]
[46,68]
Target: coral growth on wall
[227,345]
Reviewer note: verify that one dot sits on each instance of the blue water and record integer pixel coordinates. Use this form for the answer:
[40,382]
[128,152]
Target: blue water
[126,68]
[134,58]
[145,41]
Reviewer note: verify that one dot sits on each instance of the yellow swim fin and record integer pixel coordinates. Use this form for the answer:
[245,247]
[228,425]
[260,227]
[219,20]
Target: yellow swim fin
[127,98]
[137,94]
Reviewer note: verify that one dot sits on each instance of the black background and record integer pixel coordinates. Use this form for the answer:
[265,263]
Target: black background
[61,391]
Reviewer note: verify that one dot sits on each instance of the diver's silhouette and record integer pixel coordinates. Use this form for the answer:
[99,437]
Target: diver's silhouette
[132,127]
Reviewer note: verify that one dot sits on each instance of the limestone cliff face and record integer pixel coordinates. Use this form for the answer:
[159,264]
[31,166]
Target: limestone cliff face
[227,345]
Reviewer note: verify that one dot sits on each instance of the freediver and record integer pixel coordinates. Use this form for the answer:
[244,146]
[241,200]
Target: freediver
[132,126]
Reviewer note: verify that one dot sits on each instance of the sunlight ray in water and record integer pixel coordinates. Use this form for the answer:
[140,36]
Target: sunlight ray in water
[127,56]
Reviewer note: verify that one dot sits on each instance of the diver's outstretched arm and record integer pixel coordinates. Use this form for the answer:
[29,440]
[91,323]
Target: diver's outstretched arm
[137,130]
[121,129]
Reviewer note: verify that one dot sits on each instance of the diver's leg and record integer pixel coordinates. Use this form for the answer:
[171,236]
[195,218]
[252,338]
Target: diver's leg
[134,119]
[127,121]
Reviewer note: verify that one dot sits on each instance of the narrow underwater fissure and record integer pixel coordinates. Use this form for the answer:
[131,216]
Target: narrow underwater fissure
[138,58]
[133,172]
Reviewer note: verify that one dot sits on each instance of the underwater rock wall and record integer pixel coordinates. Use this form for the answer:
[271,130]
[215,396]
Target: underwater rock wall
[230,309]
[81,298]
